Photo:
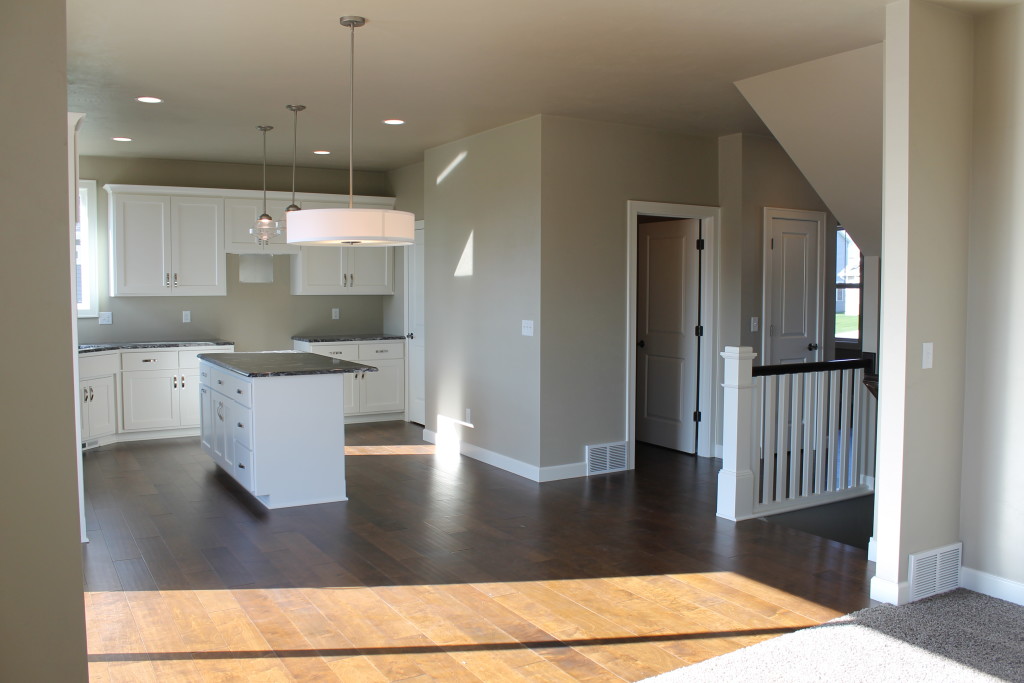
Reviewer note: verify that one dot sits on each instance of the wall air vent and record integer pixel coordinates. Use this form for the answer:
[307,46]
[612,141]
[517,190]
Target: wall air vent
[935,571]
[606,457]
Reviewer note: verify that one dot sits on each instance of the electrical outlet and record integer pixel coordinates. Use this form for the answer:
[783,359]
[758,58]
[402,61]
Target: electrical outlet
[527,328]
[753,325]
[186,316]
[335,313]
[469,417]
[106,318]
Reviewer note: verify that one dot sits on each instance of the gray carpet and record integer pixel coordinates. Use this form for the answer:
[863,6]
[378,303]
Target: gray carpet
[957,636]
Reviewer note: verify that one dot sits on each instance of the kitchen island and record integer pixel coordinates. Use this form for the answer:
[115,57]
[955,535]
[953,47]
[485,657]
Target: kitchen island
[274,421]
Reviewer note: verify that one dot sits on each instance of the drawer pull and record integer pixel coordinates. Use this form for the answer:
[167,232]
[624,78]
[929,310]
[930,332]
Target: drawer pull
[241,466]
[381,351]
[337,353]
[149,360]
[241,425]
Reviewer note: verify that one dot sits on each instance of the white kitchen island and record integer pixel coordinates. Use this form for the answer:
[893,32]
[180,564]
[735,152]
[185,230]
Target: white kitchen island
[275,422]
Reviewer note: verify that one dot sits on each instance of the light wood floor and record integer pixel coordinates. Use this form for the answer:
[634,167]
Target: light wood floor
[435,570]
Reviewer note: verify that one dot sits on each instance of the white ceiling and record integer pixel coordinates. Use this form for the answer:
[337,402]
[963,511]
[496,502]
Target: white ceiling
[451,68]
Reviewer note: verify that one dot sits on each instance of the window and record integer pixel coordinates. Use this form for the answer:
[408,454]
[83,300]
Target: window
[86,270]
[848,288]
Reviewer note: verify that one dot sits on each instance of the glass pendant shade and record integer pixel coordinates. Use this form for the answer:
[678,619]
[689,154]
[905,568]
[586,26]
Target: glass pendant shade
[265,229]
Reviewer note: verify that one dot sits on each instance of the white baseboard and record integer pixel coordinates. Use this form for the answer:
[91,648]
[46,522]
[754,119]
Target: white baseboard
[992,585]
[872,549]
[883,590]
[518,467]
[719,451]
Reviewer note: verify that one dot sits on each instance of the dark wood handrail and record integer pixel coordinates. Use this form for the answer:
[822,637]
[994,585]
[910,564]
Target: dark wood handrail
[796,368]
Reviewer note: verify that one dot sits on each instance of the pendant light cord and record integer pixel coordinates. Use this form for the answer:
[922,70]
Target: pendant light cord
[351,105]
[295,143]
[265,129]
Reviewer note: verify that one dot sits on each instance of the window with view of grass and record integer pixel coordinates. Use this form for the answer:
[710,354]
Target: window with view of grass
[848,289]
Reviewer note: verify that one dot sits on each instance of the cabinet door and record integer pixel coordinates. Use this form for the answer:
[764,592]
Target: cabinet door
[220,441]
[197,246]
[150,399]
[100,416]
[317,270]
[240,215]
[352,385]
[141,245]
[383,391]
[188,398]
[206,418]
[369,270]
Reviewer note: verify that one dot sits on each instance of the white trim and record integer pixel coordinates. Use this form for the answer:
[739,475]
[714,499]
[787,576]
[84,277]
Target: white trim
[374,417]
[872,549]
[886,591]
[767,277]
[992,585]
[517,467]
[149,435]
[277,195]
[710,217]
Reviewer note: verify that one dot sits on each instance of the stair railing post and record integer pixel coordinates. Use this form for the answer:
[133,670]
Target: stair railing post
[736,480]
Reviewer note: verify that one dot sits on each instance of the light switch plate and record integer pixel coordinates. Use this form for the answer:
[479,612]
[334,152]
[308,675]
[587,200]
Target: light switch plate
[186,316]
[527,328]
[106,318]
[335,313]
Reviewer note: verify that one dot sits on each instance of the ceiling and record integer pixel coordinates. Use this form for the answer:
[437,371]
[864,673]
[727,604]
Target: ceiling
[450,68]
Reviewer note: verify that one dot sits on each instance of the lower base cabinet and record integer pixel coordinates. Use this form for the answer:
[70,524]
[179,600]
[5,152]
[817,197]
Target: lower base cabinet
[371,395]
[279,437]
[98,407]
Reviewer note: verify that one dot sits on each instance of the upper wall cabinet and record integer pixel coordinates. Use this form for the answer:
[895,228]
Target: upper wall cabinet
[165,245]
[343,270]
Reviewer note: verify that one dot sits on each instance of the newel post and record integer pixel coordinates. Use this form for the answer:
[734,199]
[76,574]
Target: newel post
[736,478]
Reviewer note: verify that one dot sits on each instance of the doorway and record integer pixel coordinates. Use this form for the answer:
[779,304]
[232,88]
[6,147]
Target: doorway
[672,374]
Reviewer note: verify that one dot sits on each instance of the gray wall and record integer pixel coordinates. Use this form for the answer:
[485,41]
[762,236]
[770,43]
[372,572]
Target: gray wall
[476,357]
[590,170]
[42,620]
[257,317]
[992,523]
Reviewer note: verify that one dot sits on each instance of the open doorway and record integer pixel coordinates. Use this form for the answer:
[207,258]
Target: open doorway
[672,331]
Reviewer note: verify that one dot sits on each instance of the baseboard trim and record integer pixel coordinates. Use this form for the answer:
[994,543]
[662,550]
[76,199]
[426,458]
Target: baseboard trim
[884,590]
[156,434]
[872,549]
[992,585]
[517,467]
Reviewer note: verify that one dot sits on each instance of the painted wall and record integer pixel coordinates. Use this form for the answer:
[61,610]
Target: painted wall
[992,517]
[589,171]
[482,202]
[257,317]
[927,161]
[827,114]
[42,621]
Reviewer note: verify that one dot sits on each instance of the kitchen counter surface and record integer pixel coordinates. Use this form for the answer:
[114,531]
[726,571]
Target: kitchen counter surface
[320,338]
[118,346]
[282,363]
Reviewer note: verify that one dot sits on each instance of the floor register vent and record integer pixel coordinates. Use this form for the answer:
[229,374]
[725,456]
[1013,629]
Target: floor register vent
[606,457]
[935,571]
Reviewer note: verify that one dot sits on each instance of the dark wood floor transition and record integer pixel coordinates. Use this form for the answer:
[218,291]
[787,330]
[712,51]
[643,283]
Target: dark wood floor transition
[435,569]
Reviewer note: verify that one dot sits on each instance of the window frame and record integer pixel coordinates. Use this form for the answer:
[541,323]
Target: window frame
[90,268]
[845,342]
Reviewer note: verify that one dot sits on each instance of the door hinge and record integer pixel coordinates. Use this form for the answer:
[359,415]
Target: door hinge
[773,244]
[696,416]
[698,331]
[771,330]
[700,244]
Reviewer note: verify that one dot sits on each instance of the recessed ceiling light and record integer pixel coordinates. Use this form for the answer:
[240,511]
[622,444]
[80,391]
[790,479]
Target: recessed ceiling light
[394,122]
[149,100]
[121,139]
[320,151]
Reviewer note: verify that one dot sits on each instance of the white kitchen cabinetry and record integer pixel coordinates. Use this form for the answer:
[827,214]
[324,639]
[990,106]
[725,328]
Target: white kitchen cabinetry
[165,244]
[98,396]
[343,270]
[240,215]
[276,436]
[369,396]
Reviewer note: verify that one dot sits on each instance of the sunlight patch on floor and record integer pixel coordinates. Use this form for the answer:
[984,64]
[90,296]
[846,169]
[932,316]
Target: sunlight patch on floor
[425,449]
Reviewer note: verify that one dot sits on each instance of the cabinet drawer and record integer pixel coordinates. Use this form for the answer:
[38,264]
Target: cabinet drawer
[242,469]
[91,365]
[342,351]
[232,386]
[371,352]
[149,360]
[190,359]
[241,426]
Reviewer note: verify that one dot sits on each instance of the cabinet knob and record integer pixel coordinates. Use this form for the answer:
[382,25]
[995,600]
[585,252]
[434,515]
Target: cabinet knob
[220,381]
[241,425]
[241,466]
[238,391]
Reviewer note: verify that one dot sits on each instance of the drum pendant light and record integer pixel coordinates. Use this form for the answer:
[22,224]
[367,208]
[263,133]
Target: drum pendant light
[351,227]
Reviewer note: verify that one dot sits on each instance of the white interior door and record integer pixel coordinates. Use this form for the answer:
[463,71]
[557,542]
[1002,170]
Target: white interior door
[792,286]
[667,314]
[417,350]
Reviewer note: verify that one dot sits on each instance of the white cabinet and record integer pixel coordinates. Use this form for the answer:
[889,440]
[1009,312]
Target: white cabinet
[166,245]
[98,395]
[343,270]
[369,396]
[240,215]
[279,437]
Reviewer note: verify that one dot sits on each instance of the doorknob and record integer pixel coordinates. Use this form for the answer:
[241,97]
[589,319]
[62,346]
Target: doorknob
[641,343]
[812,347]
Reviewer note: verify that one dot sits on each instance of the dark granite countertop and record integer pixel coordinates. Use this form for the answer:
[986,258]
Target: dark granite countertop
[320,338]
[282,363]
[117,346]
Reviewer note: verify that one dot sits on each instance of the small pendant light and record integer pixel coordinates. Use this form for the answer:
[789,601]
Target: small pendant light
[265,227]
[295,109]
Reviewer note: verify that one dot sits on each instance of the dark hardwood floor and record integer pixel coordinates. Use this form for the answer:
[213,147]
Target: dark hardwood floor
[435,569]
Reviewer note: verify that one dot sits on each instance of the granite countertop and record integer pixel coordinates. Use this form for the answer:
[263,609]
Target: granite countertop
[319,338]
[282,363]
[117,346]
